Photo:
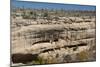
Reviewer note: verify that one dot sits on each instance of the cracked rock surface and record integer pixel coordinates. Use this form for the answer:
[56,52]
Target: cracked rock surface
[67,40]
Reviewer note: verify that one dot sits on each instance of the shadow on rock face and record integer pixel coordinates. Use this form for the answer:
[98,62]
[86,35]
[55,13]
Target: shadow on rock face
[23,58]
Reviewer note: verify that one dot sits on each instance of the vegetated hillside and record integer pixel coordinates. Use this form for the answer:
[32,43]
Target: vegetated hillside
[42,36]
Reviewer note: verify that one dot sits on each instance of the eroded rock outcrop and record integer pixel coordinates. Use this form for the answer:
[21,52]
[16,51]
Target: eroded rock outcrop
[54,43]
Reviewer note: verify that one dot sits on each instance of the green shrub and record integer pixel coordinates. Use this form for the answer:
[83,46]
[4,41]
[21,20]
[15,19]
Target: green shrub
[83,55]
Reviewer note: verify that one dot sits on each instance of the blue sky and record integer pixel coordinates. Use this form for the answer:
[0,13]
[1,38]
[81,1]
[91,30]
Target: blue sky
[40,5]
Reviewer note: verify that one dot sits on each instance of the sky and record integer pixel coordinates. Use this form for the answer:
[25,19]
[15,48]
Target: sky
[39,5]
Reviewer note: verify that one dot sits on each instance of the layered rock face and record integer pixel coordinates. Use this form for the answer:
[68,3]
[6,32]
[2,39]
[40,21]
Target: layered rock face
[70,39]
